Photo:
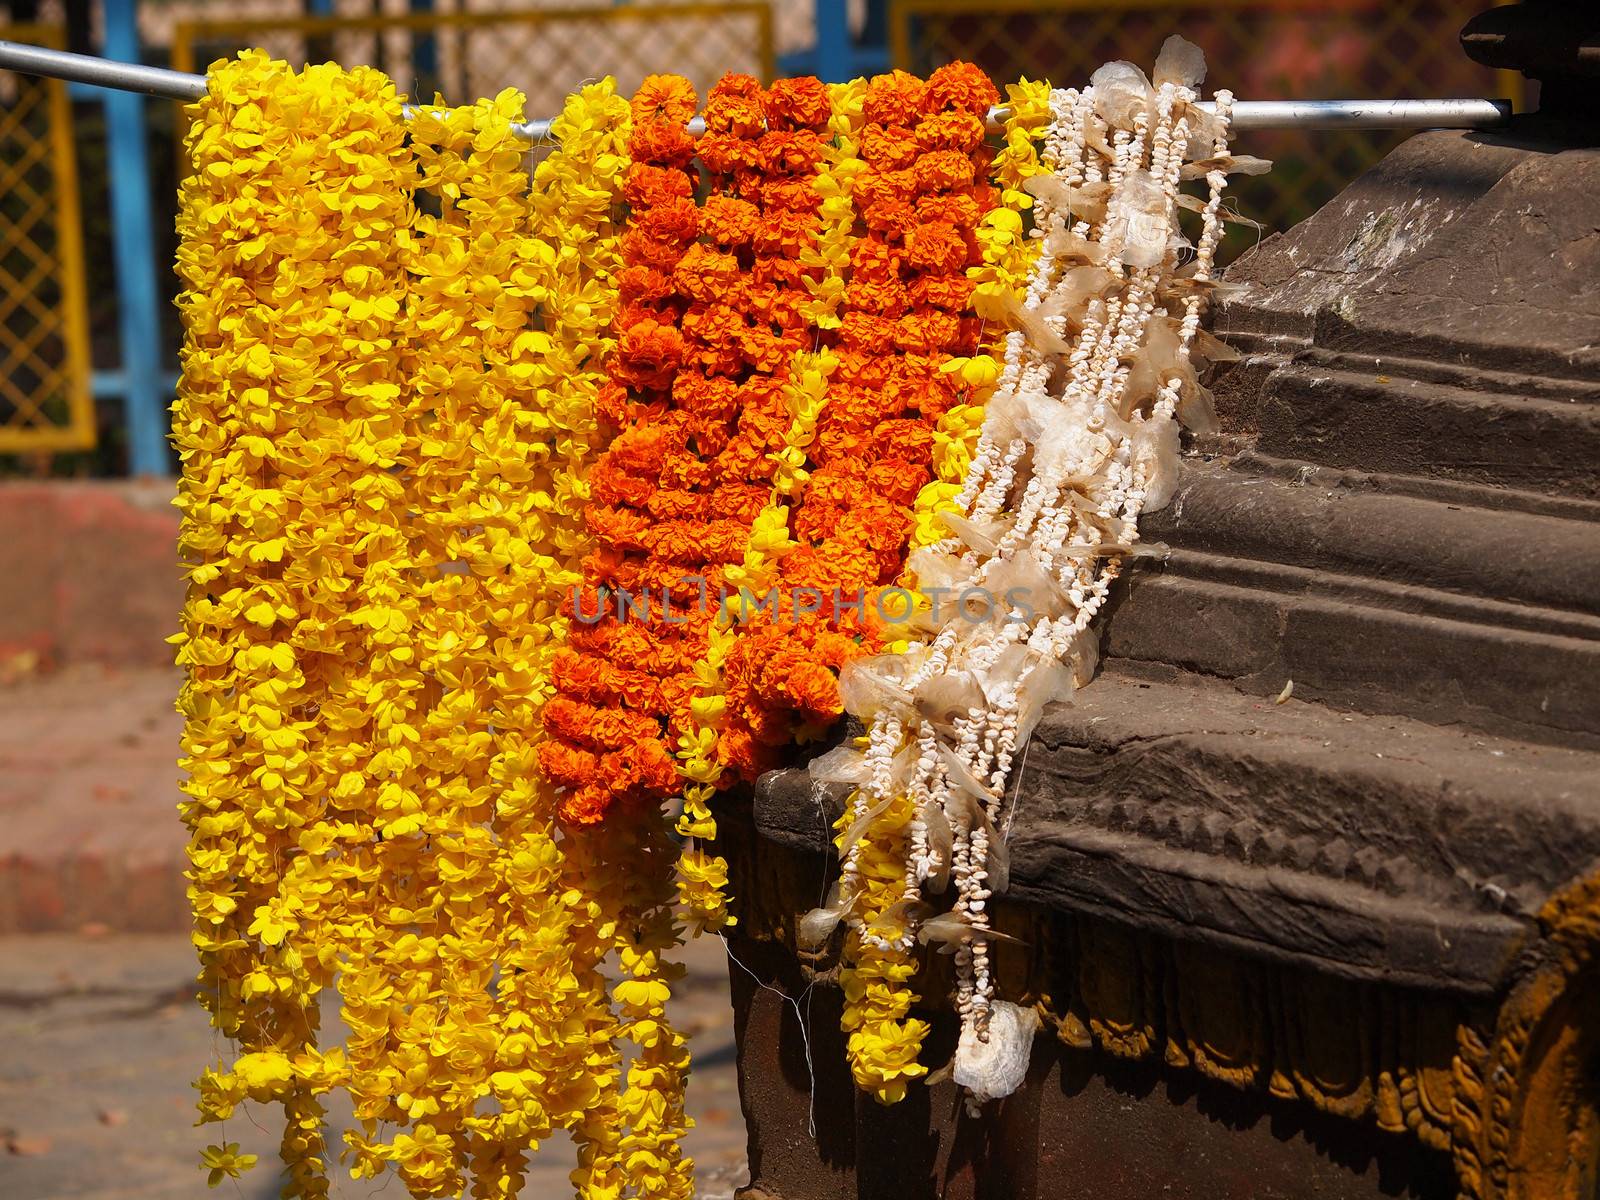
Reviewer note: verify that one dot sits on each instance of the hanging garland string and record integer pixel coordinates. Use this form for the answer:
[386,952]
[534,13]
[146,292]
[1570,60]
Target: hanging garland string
[558,1053]
[381,480]
[288,420]
[1079,438]
[520,512]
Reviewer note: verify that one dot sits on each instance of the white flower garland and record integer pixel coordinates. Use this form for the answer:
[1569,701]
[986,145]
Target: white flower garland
[1080,437]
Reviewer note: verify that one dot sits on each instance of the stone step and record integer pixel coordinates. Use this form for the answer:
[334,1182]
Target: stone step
[1372,600]
[1373,847]
[1549,565]
[89,829]
[1327,409]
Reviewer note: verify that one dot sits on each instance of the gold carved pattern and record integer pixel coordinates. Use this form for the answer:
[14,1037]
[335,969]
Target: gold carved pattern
[1511,1091]
[1357,1051]
[1527,1104]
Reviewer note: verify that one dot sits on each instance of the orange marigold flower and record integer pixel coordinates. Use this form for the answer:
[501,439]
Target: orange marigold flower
[891,218]
[735,106]
[664,143]
[675,504]
[648,354]
[888,148]
[708,396]
[642,450]
[799,103]
[567,766]
[741,757]
[887,298]
[610,485]
[795,195]
[704,273]
[961,131]
[635,312]
[648,185]
[728,153]
[738,501]
[955,208]
[728,221]
[643,249]
[714,324]
[871,259]
[668,98]
[809,687]
[886,187]
[964,88]
[645,284]
[622,527]
[867,332]
[937,246]
[587,724]
[584,806]
[952,293]
[944,170]
[786,233]
[908,439]
[796,153]
[895,97]
[675,221]
[925,332]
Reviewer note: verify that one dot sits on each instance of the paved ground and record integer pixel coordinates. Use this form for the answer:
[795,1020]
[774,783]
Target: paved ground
[101,1039]
[99,1034]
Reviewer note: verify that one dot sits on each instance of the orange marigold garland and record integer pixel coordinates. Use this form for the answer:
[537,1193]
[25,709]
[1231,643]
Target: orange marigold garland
[711,320]
[607,741]
[905,215]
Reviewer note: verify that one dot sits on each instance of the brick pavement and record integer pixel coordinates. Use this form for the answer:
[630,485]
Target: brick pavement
[89,829]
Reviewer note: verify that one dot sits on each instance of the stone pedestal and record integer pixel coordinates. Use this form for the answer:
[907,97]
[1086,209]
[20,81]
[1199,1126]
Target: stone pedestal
[1344,945]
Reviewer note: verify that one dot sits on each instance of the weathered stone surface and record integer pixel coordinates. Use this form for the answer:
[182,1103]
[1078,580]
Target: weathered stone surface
[1466,249]
[1382,849]
[1165,1068]
[1373,600]
[89,828]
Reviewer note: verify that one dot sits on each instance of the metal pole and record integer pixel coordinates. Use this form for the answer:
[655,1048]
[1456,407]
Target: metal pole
[139,301]
[1247,114]
[102,72]
[1369,114]
[833,41]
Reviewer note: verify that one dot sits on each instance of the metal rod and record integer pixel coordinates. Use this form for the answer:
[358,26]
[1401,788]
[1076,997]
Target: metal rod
[1369,114]
[1247,114]
[102,72]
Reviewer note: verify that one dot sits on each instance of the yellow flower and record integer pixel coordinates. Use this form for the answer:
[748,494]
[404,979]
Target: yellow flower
[225,1162]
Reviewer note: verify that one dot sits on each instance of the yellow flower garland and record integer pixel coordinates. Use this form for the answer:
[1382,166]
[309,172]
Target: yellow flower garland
[1008,255]
[386,421]
[383,470]
[566,899]
[834,183]
[287,422]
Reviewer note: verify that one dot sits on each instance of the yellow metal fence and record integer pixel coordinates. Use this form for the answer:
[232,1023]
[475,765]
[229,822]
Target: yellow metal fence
[45,402]
[546,53]
[1261,49]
